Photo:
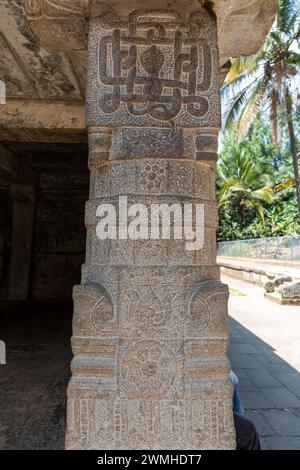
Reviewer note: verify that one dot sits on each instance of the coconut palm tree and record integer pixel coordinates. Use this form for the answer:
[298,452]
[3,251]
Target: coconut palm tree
[242,185]
[268,80]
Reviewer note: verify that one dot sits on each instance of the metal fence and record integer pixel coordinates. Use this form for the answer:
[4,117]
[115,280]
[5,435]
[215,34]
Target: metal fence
[281,248]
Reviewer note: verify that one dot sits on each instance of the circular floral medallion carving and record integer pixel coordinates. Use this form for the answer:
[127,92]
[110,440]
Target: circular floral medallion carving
[147,367]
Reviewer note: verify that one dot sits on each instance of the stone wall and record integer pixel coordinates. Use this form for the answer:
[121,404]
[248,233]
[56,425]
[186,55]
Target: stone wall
[59,246]
[43,189]
[5,240]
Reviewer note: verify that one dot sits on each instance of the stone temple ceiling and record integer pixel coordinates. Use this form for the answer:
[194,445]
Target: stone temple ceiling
[43,50]
[43,43]
[35,66]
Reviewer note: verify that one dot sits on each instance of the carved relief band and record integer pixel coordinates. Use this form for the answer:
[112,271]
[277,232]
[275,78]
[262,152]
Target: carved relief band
[156,69]
[150,332]
[157,65]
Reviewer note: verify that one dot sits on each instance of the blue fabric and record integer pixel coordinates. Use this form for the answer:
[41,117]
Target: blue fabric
[237,404]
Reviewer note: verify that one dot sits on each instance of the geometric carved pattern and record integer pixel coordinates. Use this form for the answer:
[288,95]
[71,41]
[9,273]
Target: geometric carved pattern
[153,176]
[147,368]
[159,310]
[155,68]
[150,311]
[102,313]
[152,424]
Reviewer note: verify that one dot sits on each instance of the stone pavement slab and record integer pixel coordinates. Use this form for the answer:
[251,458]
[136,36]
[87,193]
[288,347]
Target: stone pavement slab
[292,382]
[246,385]
[283,423]
[262,378]
[282,443]
[272,266]
[281,397]
[255,401]
[261,423]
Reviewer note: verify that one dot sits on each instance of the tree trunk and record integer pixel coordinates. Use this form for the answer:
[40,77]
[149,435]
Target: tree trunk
[293,144]
[274,119]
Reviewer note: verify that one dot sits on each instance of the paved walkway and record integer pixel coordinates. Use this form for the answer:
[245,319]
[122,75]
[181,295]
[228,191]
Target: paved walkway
[265,354]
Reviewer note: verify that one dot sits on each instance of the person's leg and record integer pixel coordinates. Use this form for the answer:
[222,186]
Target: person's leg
[246,434]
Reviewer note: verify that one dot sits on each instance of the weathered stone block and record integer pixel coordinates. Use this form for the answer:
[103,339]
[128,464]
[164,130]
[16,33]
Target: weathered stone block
[146,142]
[269,286]
[290,291]
[281,279]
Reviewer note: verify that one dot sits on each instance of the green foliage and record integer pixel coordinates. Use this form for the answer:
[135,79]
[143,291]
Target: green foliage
[249,172]
[259,81]
[258,183]
[287,9]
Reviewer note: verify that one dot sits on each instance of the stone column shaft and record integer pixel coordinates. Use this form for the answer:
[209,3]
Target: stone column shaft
[150,317]
[21,243]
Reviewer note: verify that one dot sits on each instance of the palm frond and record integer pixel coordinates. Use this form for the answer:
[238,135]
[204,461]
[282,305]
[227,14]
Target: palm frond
[290,183]
[235,108]
[286,10]
[252,108]
[264,194]
[292,58]
[245,78]
[258,210]
[293,22]
[242,66]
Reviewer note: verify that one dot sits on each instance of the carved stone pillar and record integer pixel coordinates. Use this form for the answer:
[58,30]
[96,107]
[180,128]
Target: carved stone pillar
[21,242]
[150,318]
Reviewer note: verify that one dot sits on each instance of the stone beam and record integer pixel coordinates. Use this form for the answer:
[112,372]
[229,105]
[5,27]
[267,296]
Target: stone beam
[60,25]
[45,121]
[242,26]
